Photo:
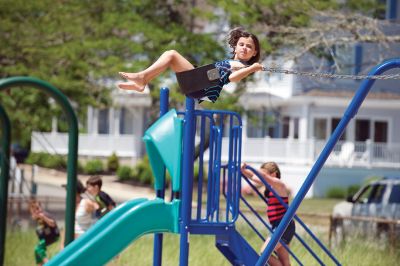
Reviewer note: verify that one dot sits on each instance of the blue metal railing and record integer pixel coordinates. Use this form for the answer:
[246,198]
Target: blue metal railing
[216,124]
[266,225]
[315,238]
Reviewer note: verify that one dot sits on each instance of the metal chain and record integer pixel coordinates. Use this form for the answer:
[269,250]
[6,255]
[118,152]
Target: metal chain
[327,75]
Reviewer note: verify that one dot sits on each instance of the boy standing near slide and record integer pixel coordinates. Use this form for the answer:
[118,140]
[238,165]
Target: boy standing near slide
[106,203]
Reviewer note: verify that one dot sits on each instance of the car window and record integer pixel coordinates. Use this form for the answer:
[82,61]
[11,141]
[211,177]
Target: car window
[364,195]
[377,193]
[371,194]
[395,195]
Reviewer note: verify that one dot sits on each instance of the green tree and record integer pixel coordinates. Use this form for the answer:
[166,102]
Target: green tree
[78,46]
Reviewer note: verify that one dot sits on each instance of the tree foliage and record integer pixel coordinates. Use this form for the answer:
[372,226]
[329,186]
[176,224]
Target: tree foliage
[80,45]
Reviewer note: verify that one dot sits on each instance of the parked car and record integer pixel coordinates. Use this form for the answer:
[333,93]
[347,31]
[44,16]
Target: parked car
[371,211]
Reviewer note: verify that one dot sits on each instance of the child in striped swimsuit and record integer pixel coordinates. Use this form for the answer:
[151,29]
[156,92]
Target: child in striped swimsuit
[275,211]
[245,55]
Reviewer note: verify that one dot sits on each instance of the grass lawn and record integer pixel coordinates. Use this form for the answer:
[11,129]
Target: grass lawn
[314,205]
[19,251]
[20,246]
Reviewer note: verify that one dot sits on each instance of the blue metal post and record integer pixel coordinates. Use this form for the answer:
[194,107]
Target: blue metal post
[187,181]
[350,112]
[160,193]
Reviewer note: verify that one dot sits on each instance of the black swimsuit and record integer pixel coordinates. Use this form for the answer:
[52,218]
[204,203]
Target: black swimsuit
[212,93]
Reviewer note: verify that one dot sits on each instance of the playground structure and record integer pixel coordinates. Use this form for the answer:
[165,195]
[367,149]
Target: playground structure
[170,144]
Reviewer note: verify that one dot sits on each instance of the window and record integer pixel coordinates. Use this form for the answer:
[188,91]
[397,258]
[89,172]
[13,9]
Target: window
[126,121]
[260,124]
[377,193]
[103,125]
[362,129]
[254,124]
[364,195]
[375,130]
[320,128]
[296,128]
[380,131]
[334,124]
[345,55]
[395,195]
[285,127]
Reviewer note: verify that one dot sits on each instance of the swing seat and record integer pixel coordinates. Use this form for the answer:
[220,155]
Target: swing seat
[193,82]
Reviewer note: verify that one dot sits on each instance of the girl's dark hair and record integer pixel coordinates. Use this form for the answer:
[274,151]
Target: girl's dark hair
[234,37]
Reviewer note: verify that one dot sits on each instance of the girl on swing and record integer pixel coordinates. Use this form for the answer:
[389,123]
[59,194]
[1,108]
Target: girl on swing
[245,56]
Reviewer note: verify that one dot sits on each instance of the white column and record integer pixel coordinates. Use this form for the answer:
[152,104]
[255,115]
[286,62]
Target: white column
[351,131]
[303,122]
[54,125]
[117,121]
[111,119]
[90,120]
[291,127]
[95,122]
[244,127]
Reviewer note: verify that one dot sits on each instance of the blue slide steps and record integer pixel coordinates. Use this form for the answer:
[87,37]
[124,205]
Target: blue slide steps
[236,249]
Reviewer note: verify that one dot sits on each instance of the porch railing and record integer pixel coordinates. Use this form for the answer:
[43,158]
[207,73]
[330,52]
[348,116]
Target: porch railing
[256,150]
[89,145]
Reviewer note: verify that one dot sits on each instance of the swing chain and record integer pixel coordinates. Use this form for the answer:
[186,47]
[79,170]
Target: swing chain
[327,75]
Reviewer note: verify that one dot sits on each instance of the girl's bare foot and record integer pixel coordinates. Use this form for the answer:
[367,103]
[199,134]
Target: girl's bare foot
[131,86]
[137,78]
[127,75]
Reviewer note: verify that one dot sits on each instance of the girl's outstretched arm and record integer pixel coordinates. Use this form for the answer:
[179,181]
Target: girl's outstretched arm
[250,175]
[240,74]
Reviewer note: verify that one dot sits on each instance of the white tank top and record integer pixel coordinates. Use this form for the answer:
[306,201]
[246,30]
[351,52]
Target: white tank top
[83,219]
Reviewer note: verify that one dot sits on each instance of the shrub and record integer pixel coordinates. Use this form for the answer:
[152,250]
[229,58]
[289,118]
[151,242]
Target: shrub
[93,167]
[80,167]
[351,190]
[124,173]
[112,163]
[142,172]
[32,158]
[336,193]
[47,160]
[55,162]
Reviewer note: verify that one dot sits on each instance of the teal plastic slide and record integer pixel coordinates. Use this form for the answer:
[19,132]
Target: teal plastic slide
[115,231]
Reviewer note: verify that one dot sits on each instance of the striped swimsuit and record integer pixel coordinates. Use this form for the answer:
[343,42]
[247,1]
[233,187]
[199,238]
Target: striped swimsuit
[212,93]
[275,213]
[275,210]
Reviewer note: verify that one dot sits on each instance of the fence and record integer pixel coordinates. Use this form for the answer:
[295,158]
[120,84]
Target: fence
[288,151]
[341,228]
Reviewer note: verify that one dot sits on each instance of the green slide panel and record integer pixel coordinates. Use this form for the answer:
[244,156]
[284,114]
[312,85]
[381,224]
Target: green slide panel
[115,231]
[99,226]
